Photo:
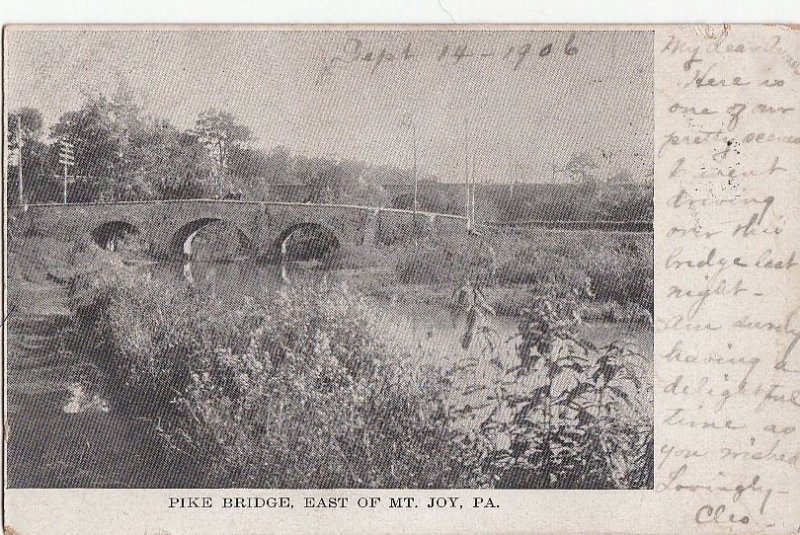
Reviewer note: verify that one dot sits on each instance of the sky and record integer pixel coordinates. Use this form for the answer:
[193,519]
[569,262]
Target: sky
[487,94]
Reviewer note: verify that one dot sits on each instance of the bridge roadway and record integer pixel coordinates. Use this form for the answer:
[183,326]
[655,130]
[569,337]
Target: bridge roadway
[165,226]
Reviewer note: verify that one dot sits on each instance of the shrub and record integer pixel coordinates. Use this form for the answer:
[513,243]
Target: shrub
[302,392]
[441,261]
[566,415]
[624,273]
[533,265]
[308,390]
[619,267]
[144,334]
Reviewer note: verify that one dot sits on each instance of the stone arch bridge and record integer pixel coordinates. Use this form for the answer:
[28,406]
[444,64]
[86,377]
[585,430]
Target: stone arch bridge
[165,226]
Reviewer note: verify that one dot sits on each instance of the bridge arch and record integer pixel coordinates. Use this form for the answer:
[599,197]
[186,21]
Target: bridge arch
[110,234]
[306,241]
[182,239]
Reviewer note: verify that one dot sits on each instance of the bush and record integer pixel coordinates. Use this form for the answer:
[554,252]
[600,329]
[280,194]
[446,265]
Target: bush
[534,265]
[440,261]
[302,392]
[309,391]
[568,415]
[618,267]
[144,334]
[624,273]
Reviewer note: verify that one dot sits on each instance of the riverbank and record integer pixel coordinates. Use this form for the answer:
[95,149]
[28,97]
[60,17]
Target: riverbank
[282,377]
[507,301]
[71,428]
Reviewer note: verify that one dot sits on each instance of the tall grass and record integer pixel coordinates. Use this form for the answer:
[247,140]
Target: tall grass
[307,390]
[618,268]
[301,392]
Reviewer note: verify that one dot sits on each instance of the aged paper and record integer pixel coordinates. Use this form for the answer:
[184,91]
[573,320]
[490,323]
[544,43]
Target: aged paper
[398,279]
[726,374]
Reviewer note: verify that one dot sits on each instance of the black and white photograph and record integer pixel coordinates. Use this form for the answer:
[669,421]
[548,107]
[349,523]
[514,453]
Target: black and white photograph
[329,257]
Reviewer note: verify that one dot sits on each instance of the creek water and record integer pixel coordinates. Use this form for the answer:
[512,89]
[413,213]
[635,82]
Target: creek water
[63,435]
[413,323]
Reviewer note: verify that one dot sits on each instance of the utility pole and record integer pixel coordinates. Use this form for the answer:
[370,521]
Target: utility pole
[66,157]
[414,168]
[468,206]
[474,187]
[470,176]
[19,163]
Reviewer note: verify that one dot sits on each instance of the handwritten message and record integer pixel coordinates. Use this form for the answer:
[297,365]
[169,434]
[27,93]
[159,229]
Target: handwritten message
[728,277]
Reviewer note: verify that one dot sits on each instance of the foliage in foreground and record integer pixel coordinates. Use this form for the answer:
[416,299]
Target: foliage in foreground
[308,391]
[568,414]
[300,393]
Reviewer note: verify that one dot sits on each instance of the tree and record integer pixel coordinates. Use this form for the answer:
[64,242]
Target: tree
[254,169]
[31,121]
[99,138]
[34,156]
[323,177]
[122,154]
[361,191]
[171,164]
[581,168]
[220,133]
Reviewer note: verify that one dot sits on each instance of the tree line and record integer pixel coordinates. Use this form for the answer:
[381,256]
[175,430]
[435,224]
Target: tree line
[122,153]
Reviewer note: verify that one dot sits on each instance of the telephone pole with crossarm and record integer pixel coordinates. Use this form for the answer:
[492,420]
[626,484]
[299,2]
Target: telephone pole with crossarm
[66,157]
